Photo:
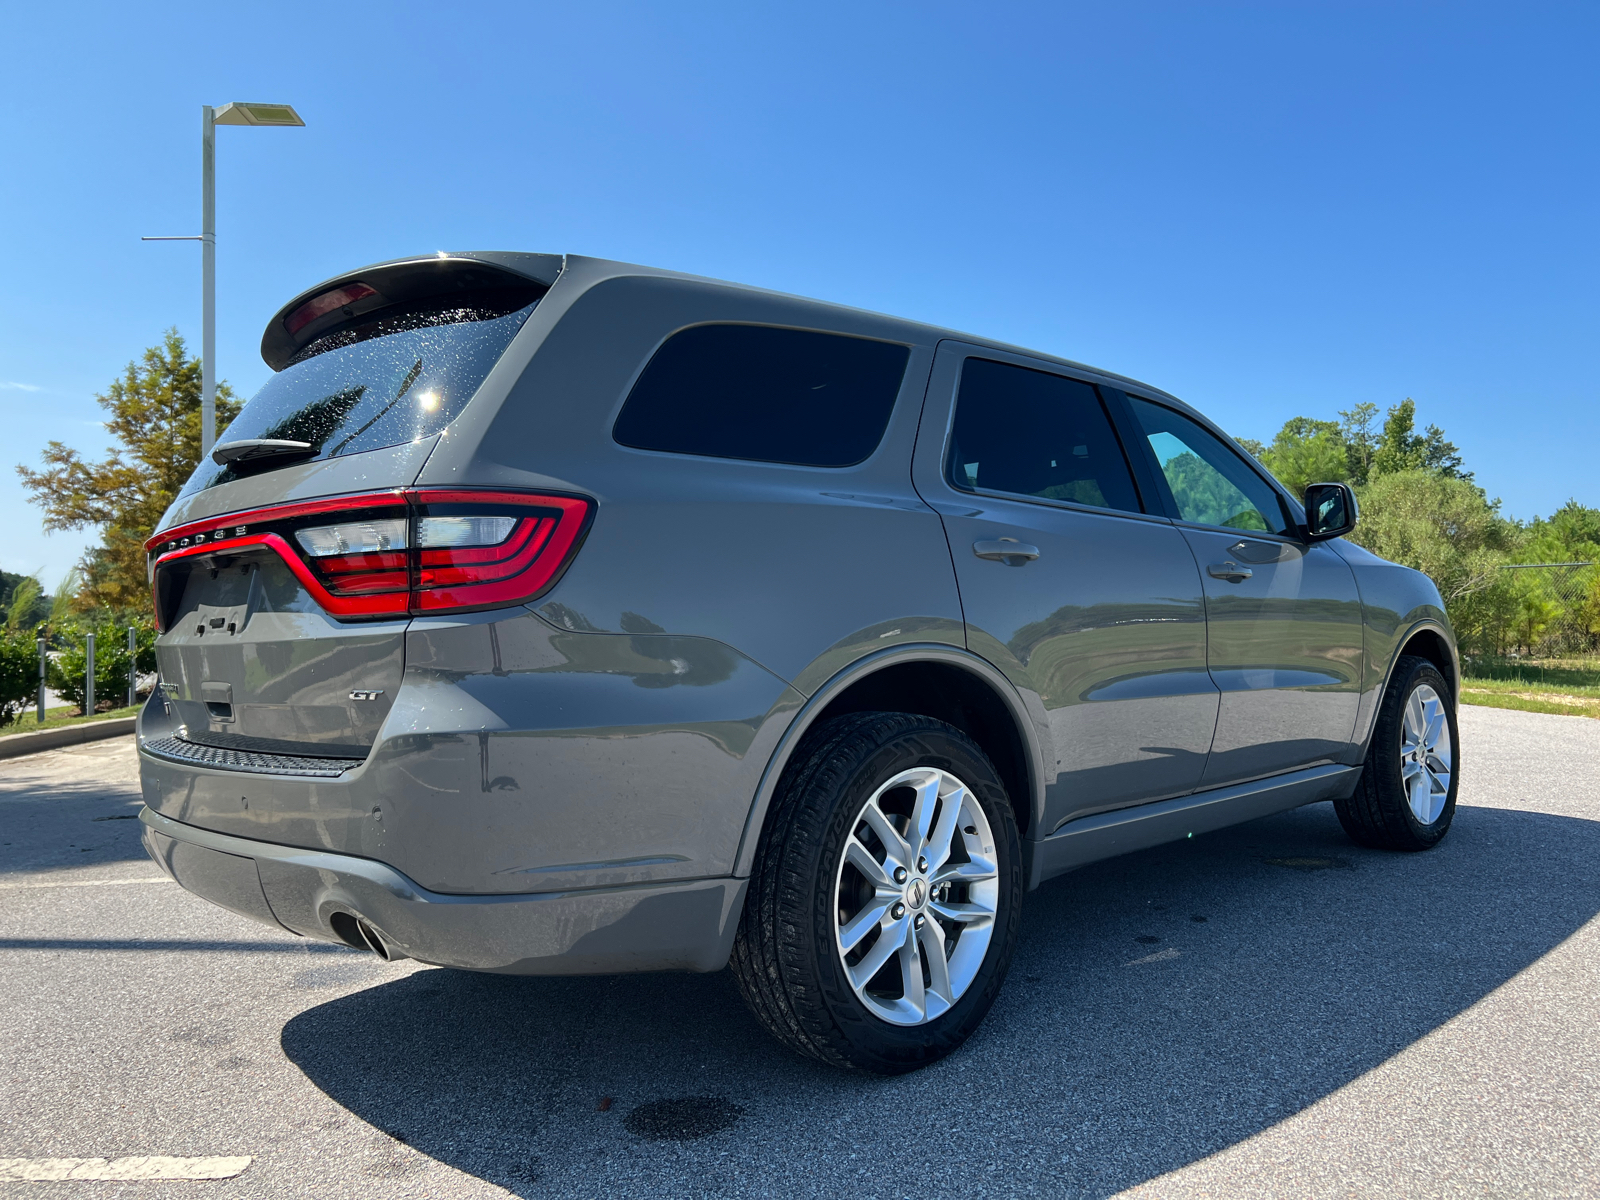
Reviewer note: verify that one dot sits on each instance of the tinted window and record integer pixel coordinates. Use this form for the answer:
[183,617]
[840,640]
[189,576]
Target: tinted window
[1210,483]
[774,395]
[1036,434]
[387,382]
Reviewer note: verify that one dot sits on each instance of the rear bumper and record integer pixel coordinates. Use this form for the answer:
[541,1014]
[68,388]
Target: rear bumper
[682,926]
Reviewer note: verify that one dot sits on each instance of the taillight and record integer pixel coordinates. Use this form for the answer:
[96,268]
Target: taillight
[410,551]
[361,557]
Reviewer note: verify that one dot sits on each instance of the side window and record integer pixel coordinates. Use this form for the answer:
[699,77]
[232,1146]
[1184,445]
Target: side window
[1211,484]
[773,395]
[1036,434]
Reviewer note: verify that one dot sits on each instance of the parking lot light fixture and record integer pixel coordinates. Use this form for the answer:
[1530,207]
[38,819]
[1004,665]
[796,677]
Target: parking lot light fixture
[236,112]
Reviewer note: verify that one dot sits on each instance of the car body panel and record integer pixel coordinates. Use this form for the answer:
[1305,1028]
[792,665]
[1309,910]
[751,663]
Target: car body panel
[1285,648]
[684,544]
[521,758]
[1397,604]
[1106,629]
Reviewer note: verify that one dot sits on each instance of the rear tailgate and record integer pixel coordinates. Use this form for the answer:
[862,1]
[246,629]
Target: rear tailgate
[290,565]
[251,662]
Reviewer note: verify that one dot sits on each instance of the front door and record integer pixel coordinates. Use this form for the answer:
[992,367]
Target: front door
[1097,614]
[1284,615]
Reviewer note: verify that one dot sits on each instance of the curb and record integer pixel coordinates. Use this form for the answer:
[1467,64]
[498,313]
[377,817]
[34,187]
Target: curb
[67,735]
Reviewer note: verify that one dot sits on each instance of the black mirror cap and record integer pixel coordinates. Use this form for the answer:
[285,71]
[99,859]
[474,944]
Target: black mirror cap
[1331,510]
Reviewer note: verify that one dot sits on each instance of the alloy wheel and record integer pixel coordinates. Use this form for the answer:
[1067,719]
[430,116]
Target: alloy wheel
[915,895]
[1425,754]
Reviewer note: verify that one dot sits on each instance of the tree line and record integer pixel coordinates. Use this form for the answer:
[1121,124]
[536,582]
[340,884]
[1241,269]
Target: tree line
[1422,508]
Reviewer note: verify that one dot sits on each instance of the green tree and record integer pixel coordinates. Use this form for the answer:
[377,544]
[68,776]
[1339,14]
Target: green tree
[1361,443]
[1402,448]
[1307,451]
[25,603]
[155,417]
[1447,528]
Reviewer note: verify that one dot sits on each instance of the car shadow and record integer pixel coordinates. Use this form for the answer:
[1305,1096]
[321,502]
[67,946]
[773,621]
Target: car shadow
[1160,1008]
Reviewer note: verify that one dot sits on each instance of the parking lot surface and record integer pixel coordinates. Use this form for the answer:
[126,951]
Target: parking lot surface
[1266,1011]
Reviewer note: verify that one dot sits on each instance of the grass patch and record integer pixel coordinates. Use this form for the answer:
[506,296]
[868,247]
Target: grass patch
[1568,687]
[1556,674]
[55,718]
[1538,704]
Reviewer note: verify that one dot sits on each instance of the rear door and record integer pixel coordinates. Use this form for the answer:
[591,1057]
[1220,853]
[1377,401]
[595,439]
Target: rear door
[1284,615]
[1097,614]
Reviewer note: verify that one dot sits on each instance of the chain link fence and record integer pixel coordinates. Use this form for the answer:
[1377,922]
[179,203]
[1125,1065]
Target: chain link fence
[1535,610]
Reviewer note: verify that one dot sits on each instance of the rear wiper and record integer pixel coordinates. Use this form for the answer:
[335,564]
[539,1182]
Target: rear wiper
[261,452]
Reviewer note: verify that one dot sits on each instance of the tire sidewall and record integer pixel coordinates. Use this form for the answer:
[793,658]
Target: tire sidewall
[883,1046]
[1387,760]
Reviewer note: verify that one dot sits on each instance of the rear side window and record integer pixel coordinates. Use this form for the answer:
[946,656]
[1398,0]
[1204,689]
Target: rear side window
[773,395]
[1036,434]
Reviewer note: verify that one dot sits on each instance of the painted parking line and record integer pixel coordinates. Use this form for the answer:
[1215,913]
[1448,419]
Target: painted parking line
[144,1166]
[44,883]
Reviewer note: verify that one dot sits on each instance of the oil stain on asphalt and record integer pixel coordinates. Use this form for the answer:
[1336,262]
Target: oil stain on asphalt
[685,1120]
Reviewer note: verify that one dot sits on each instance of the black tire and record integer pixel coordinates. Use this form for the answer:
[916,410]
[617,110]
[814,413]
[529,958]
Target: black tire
[786,957]
[1378,814]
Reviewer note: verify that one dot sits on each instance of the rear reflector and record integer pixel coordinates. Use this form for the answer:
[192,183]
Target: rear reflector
[389,554]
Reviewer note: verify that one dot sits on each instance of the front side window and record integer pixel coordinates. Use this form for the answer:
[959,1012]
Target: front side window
[766,394]
[1210,483]
[1032,433]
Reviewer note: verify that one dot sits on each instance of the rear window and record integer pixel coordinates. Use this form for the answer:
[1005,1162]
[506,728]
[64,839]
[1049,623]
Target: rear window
[1036,434]
[772,395]
[381,383]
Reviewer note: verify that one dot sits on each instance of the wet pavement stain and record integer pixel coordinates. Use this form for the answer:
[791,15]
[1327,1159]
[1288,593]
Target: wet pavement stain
[684,1120]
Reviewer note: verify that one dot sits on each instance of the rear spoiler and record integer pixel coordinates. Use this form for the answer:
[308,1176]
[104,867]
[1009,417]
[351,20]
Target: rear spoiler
[356,295]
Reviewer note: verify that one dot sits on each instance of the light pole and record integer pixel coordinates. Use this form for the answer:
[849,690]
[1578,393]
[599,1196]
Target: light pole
[235,113]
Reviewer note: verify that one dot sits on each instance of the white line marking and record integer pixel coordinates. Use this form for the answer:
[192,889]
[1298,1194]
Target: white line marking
[83,883]
[146,1166]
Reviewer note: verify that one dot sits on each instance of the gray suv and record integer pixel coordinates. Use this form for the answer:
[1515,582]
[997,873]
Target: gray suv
[546,615]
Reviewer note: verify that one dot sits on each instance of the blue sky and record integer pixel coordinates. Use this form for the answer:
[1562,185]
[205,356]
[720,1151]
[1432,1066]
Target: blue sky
[1267,209]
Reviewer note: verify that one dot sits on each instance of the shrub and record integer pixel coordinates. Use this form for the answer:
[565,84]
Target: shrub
[68,671]
[19,674]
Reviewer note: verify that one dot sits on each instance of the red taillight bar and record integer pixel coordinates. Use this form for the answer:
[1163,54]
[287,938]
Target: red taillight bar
[395,583]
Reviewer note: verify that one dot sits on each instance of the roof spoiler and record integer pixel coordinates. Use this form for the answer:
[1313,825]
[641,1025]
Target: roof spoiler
[401,281]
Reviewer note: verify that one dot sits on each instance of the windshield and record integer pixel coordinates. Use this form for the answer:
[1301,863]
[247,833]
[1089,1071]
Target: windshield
[393,381]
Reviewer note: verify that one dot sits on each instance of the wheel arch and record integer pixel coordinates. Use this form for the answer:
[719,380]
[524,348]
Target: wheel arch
[1425,639]
[1430,642]
[933,680]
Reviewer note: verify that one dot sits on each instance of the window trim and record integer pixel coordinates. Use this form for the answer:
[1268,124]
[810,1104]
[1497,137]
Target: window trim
[1295,531]
[1107,408]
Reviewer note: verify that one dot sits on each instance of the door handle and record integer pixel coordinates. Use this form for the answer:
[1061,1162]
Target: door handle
[1007,550]
[1231,571]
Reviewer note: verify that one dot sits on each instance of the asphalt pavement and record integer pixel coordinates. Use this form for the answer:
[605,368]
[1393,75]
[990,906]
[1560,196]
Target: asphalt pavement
[1267,1011]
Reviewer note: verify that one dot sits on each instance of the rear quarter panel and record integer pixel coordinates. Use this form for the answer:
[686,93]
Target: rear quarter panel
[801,569]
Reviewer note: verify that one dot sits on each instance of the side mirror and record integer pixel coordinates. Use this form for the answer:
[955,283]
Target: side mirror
[1330,510]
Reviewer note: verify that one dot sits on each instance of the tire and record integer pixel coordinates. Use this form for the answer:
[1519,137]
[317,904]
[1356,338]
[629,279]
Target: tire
[1406,798]
[813,887]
